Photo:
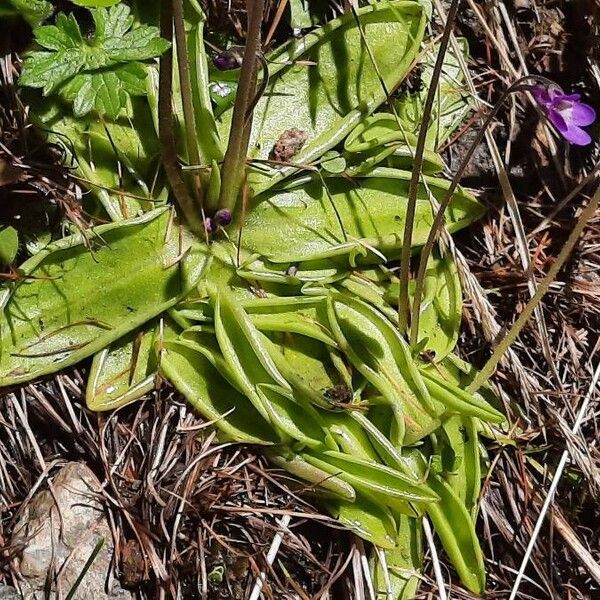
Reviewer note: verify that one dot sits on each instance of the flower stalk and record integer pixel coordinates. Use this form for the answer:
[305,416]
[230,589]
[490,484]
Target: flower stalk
[183,66]
[403,300]
[438,222]
[234,163]
[166,129]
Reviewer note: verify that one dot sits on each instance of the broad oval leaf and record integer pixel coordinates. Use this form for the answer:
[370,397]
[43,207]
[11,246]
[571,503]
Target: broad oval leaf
[331,83]
[73,301]
[361,220]
[117,160]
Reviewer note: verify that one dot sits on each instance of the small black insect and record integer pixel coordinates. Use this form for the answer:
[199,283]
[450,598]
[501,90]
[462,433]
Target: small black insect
[339,395]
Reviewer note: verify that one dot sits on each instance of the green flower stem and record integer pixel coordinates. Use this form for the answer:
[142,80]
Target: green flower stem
[403,301]
[166,128]
[588,213]
[234,164]
[183,64]
[438,221]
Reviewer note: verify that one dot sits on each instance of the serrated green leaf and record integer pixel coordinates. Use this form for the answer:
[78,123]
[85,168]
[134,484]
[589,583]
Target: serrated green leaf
[98,74]
[65,35]
[105,91]
[140,43]
[33,11]
[111,23]
[95,3]
[47,70]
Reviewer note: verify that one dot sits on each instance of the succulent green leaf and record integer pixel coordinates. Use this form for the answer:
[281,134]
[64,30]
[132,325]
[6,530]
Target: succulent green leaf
[373,476]
[454,526]
[9,245]
[127,369]
[297,465]
[75,300]
[346,218]
[309,367]
[452,102]
[331,83]
[367,519]
[295,418]
[460,440]
[376,350]
[458,400]
[382,137]
[302,315]
[399,579]
[250,364]
[349,435]
[204,387]
[117,160]
[441,306]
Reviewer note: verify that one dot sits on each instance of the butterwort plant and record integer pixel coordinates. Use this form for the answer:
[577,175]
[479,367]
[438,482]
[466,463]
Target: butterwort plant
[284,335]
[566,112]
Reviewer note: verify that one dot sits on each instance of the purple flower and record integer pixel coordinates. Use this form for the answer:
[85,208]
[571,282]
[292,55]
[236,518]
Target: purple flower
[566,112]
[223,217]
[208,225]
[229,59]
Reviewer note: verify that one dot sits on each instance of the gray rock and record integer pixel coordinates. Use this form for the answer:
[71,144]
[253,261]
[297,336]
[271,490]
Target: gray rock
[9,593]
[58,532]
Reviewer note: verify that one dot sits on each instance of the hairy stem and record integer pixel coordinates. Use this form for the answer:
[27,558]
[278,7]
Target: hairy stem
[488,369]
[438,221]
[403,301]
[166,128]
[183,65]
[234,164]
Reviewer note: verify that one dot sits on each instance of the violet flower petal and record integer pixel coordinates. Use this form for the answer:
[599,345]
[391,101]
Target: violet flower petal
[569,98]
[577,136]
[541,95]
[582,114]
[557,119]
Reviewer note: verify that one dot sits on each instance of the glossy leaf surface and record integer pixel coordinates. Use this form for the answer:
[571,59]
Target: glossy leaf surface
[75,301]
[336,84]
[361,219]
